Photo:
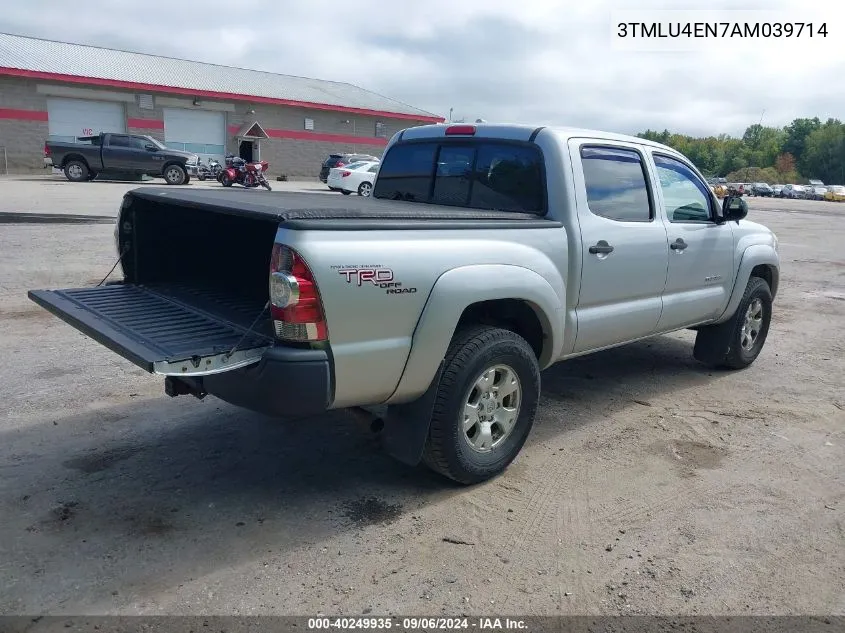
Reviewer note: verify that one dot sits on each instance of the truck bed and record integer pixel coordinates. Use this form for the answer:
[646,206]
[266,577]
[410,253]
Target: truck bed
[194,296]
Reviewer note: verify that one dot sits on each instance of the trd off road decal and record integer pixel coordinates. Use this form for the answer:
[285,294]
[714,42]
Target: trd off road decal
[373,275]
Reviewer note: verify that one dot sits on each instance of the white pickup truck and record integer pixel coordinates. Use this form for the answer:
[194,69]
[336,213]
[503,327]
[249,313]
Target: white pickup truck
[485,254]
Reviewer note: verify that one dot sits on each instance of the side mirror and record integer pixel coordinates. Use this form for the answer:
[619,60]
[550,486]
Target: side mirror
[150,147]
[734,208]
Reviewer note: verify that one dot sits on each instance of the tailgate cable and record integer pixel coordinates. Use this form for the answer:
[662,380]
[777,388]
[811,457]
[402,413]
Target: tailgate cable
[228,354]
[119,257]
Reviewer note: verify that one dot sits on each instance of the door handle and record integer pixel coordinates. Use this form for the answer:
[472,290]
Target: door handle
[678,245]
[601,247]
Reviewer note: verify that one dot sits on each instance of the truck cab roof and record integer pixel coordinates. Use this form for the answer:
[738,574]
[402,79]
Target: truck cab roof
[522,132]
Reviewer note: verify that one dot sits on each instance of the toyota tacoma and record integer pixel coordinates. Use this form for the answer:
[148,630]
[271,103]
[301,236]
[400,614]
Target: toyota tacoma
[485,254]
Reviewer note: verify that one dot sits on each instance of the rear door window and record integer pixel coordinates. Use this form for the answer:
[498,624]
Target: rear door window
[616,184]
[120,141]
[479,175]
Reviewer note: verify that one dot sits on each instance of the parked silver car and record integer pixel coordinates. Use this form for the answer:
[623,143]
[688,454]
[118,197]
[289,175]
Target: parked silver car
[796,192]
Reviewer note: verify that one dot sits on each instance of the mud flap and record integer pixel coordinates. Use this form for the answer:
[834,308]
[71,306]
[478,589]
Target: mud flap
[406,425]
[713,343]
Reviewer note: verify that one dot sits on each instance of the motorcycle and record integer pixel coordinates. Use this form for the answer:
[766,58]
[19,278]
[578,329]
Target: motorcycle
[240,172]
[212,170]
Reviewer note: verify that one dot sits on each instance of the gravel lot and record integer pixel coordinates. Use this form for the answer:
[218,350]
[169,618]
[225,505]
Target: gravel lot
[649,485]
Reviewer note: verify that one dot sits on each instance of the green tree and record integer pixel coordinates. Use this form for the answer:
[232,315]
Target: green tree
[824,153]
[796,137]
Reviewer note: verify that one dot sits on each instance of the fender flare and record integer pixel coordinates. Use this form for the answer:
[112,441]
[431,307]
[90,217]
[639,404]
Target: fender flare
[73,156]
[753,256]
[457,289]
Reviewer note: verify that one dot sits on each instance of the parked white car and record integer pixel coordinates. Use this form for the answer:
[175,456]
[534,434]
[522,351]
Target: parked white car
[355,178]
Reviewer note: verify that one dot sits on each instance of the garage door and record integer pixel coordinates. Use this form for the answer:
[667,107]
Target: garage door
[70,118]
[196,131]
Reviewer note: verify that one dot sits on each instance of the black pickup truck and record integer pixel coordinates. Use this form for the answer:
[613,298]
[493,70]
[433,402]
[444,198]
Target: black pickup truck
[121,153]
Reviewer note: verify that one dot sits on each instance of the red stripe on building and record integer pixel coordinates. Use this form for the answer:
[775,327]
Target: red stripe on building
[301,135]
[132,85]
[23,115]
[146,124]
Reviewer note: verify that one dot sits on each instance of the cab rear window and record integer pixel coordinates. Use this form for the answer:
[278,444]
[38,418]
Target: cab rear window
[476,175]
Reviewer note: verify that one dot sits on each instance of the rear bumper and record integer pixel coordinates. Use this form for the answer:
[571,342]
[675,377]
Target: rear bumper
[285,382]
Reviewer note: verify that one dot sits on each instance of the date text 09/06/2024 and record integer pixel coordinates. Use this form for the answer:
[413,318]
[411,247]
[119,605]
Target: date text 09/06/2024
[649,30]
[415,623]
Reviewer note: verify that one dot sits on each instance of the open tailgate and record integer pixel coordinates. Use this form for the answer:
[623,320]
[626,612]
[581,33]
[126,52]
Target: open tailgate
[164,329]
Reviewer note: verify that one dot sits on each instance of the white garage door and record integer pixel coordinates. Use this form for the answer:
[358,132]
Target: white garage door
[70,118]
[196,131]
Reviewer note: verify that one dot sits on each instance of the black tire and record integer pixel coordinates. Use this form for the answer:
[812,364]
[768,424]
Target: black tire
[187,180]
[365,189]
[76,171]
[224,180]
[345,192]
[201,177]
[91,175]
[472,351]
[267,186]
[333,189]
[722,345]
[175,174]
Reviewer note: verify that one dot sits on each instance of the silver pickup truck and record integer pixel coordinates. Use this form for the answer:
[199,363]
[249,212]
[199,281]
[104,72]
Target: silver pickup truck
[485,254]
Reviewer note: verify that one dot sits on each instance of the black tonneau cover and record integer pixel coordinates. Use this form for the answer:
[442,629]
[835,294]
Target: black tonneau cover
[289,207]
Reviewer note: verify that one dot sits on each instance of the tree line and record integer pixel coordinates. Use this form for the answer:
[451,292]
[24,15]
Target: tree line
[804,149]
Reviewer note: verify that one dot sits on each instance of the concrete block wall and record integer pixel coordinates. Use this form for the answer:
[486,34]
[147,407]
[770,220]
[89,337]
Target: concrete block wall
[291,150]
[23,125]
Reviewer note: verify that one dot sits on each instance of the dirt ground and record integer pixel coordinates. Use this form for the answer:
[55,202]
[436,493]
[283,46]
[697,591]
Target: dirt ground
[649,485]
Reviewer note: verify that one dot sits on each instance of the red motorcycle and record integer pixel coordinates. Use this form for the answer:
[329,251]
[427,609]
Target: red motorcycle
[240,172]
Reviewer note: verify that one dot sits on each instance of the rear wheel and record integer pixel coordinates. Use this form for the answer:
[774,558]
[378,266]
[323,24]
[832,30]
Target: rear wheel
[365,189]
[345,192]
[76,171]
[485,404]
[175,175]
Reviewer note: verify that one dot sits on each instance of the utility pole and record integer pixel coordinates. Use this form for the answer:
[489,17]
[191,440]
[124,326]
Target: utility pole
[450,114]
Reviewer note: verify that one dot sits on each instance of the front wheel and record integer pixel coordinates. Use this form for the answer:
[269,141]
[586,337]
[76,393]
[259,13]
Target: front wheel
[365,189]
[266,185]
[737,342]
[484,406]
[175,175]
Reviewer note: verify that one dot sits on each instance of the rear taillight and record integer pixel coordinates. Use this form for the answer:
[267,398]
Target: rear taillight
[46,150]
[344,174]
[295,304]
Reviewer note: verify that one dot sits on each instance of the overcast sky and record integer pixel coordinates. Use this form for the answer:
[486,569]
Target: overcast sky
[529,61]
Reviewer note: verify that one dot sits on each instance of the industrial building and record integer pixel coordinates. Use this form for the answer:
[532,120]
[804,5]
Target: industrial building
[61,91]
